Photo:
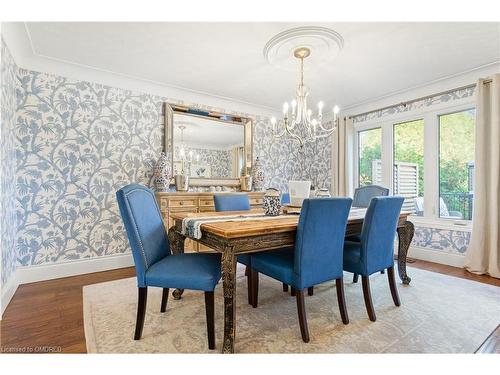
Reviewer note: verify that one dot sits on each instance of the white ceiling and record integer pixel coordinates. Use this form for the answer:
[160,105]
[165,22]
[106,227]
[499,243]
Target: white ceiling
[206,133]
[225,59]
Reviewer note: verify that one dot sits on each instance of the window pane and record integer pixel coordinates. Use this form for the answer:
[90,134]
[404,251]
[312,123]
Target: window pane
[370,156]
[408,174]
[456,164]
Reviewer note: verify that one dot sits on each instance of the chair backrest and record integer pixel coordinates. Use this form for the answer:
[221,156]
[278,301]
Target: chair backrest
[319,245]
[364,194]
[377,235]
[144,226]
[419,204]
[231,202]
[285,198]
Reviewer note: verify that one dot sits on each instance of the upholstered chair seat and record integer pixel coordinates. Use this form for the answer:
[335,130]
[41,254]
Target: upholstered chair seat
[155,266]
[375,251]
[316,258]
[204,272]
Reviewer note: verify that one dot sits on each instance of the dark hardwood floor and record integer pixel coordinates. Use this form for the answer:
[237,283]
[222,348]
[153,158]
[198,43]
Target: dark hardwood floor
[48,316]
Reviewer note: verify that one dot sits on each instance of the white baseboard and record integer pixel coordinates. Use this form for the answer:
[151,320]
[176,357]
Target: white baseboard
[8,291]
[434,256]
[33,274]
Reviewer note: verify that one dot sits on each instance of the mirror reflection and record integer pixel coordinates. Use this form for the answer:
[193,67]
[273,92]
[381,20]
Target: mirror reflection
[207,148]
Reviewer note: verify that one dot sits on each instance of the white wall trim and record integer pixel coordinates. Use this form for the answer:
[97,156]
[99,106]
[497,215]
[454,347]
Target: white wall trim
[8,291]
[436,256]
[31,274]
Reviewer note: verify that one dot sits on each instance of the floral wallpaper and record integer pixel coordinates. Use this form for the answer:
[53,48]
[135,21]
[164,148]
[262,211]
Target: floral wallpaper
[219,161]
[8,166]
[76,144]
[450,241]
[455,95]
[282,161]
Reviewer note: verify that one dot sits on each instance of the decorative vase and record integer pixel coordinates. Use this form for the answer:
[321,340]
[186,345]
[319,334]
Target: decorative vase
[181,182]
[258,175]
[162,173]
[272,202]
[323,193]
[246,183]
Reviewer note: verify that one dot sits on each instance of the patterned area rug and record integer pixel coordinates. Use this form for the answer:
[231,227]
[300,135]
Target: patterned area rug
[439,314]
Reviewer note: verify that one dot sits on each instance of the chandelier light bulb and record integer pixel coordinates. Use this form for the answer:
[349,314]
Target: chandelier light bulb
[273,120]
[285,108]
[336,109]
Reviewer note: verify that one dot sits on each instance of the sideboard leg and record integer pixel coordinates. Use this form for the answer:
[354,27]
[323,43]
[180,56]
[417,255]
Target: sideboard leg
[176,241]
[405,235]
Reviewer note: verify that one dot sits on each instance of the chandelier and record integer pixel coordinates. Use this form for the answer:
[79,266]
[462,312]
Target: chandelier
[298,121]
[191,155]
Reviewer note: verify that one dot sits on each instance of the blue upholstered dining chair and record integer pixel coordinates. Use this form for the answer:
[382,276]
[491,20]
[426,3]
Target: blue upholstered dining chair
[316,258]
[285,198]
[236,202]
[155,266]
[364,194]
[362,197]
[375,251]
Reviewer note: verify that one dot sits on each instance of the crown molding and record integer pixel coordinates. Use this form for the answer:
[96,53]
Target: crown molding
[18,39]
[444,83]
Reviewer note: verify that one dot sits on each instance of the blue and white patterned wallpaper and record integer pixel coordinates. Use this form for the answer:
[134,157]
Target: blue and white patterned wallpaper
[76,144]
[282,160]
[444,240]
[8,164]
[219,161]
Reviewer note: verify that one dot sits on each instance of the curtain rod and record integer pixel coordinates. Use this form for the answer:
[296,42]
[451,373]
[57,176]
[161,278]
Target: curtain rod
[421,98]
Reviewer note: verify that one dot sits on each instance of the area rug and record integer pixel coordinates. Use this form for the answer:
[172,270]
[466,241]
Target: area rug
[438,314]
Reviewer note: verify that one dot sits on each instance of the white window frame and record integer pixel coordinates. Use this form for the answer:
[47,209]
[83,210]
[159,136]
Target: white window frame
[430,116]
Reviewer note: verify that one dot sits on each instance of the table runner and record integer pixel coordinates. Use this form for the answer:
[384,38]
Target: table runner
[191,226]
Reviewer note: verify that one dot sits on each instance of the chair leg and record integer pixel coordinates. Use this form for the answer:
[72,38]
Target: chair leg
[293,291]
[355,278]
[310,291]
[368,298]
[382,272]
[164,300]
[249,286]
[254,276]
[141,312]
[285,287]
[301,309]
[392,285]
[209,311]
[339,283]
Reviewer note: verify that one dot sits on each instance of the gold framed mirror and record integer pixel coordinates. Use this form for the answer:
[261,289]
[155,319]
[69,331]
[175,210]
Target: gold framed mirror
[212,148]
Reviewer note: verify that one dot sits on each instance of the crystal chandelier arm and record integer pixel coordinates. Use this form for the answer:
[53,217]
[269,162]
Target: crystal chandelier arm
[334,126]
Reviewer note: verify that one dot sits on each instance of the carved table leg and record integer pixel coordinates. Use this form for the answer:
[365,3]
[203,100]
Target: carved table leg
[176,241]
[405,235]
[229,285]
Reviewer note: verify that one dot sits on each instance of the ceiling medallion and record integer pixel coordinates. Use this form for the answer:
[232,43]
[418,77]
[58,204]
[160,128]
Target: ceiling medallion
[326,44]
[301,124]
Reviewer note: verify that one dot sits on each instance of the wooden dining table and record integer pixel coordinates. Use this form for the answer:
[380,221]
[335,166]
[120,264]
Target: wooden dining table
[232,238]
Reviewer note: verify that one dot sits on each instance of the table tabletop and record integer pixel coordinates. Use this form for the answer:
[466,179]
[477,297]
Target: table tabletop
[255,226]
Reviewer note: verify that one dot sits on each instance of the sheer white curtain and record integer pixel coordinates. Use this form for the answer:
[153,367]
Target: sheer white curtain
[483,254]
[343,163]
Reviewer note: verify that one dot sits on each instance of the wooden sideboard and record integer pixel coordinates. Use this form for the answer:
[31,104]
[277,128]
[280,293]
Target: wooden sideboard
[195,202]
